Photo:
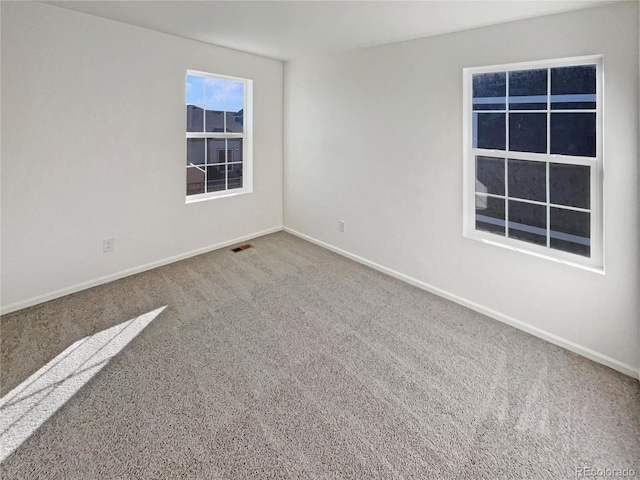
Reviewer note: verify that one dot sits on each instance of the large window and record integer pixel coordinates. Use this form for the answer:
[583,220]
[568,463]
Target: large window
[218,129]
[533,158]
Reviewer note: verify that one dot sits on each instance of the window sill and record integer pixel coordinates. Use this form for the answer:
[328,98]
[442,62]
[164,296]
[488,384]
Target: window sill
[544,254]
[203,197]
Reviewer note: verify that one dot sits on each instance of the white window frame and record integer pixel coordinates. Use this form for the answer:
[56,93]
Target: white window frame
[596,261]
[246,136]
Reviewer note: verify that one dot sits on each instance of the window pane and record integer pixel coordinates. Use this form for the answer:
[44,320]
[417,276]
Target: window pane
[194,119]
[234,96]
[234,150]
[195,151]
[234,172]
[216,170]
[238,118]
[570,231]
[195,181]
[489,131]
[528,222]
[528,90]
[570,185]
[214,91]
[195,90]
[528,180]
[216,150]
[489,91]
[528,132]
[490,175]
[573,87]
[216,178]
[234,122]
[490,214]
[573,134]
[215,119]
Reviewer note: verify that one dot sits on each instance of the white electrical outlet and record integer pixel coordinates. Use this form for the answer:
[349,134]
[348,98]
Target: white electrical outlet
[342,225]
[108,244]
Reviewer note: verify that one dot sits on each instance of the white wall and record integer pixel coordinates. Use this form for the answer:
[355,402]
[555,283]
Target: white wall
[374,137]
[93,147]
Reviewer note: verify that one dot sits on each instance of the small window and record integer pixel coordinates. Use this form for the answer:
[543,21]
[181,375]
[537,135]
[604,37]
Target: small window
[533,158]
[218,136]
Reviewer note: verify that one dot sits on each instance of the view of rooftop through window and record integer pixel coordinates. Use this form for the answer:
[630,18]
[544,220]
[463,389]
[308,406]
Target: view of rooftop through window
[215,133]
[222,100]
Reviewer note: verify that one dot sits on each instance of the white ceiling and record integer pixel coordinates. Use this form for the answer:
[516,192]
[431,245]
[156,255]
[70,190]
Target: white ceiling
[288,29]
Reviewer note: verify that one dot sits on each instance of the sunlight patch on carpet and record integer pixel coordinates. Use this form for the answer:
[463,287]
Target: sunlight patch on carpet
[25,408]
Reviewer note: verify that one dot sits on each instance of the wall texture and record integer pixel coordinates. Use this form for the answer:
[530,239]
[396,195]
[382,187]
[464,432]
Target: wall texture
[374,137]
[93,147]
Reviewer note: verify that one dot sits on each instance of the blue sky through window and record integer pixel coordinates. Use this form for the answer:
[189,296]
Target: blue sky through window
[215,93]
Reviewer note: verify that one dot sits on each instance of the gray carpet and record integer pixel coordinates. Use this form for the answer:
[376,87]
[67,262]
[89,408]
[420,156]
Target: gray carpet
[288,361]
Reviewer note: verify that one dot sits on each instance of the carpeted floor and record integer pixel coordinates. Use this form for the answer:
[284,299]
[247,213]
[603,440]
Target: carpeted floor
[289,361]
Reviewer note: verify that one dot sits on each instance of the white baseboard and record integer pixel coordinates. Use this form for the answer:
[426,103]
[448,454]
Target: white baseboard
[125,273]
[549,337]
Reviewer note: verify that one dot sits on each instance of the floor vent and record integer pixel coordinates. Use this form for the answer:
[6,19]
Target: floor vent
[241,247]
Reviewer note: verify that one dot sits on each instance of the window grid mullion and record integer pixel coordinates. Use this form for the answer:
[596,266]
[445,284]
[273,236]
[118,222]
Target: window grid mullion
[204,106]
[547,183]
[226,162]
[564,110]
[532,202]
[548,111]
[506,106]
[204,130]
[506,197]
[548,195]
[224,106]
[206,162]
[214,135]
[506,160]
[537,157]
